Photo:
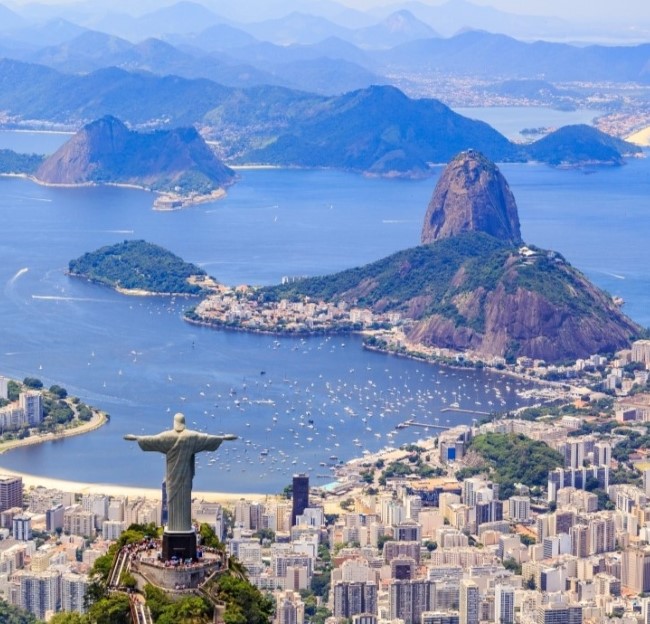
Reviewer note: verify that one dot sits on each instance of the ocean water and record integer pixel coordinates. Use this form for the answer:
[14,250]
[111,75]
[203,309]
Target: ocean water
[296,404]
[511,120]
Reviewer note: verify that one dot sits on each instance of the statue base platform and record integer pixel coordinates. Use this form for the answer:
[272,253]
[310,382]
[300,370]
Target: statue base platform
[174,577]
[181,546]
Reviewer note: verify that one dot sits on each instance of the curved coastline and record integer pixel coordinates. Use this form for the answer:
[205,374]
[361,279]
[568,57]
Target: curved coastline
[184,201]
[98,419]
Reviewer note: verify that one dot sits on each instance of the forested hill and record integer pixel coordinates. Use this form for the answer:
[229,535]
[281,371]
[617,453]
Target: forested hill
[106,151]
[475,292]
[12,162]
[138,265]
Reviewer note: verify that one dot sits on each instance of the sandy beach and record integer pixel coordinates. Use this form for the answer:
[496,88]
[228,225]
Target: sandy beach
[642,137]
[110,489]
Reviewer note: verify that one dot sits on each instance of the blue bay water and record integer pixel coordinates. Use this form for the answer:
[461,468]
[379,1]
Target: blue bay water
[511,120]
[306,402]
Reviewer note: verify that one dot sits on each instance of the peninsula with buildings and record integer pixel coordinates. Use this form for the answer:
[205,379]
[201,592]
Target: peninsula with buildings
[32,414]
[473,286]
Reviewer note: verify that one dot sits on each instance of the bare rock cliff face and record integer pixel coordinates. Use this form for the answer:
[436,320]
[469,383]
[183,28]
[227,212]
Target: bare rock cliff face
[525,322]
[78,160]
[105,150]
[471,196]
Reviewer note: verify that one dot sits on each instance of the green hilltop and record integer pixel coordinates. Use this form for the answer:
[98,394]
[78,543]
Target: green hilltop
[138,265]
[473,291]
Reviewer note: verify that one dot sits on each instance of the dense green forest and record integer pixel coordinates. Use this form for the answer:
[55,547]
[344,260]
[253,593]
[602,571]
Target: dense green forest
[12,162]
[138,265]
[516,459]
[14,615]
[435,276]
[426,270]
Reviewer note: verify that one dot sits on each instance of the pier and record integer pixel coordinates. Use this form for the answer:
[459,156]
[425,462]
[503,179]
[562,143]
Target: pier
[465,411]
[412,423]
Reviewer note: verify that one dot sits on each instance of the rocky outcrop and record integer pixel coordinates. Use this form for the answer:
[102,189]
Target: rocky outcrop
[552,317]
[471,196]
[106,151]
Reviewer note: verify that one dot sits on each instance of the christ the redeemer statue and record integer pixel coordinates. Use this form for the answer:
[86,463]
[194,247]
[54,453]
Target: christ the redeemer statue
[179,445]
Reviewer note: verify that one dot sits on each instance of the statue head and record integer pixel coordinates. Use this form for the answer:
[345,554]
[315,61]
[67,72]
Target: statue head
[179,422]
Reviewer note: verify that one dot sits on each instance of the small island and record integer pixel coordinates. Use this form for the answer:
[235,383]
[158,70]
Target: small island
[141,268]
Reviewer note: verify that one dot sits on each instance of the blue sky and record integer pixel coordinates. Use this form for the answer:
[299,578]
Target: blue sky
[620,11]
[628,11]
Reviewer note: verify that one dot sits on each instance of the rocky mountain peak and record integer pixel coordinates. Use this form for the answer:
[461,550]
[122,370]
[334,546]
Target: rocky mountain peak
[107,151]
[471,196]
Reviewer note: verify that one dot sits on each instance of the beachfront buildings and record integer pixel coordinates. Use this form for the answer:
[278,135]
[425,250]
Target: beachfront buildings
[11,492]
[26,412]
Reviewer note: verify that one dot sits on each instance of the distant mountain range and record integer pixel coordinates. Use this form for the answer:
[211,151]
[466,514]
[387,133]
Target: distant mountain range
[297,49]
[488,55]
[377,130]
[147,18]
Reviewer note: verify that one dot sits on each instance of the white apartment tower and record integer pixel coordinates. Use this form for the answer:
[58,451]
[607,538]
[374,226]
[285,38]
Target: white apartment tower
[32,405]
[469,602]
[73,591]
[504,604]
[40,592]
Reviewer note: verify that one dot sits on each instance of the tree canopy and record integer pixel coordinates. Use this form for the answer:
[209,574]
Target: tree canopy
[516,459]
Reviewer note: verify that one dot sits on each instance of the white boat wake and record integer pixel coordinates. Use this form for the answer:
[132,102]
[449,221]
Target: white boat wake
[18,274]
[60,298]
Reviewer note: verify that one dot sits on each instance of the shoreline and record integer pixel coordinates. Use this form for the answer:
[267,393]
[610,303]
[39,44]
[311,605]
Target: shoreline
[185,201]
[99,419]
[132,292]
[112,489]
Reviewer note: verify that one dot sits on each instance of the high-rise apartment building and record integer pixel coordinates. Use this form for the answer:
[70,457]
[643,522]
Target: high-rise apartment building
[73,592]
[469,602]
[39,592]
[11,492]
[504,604]
[290,609]
[300,496]
[408,600]
[351,598]
[32,405]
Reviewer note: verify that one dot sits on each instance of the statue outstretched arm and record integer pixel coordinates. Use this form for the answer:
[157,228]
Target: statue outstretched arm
[160,442]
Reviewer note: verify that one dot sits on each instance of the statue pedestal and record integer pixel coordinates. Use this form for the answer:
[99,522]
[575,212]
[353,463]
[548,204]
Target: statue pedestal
[181,545]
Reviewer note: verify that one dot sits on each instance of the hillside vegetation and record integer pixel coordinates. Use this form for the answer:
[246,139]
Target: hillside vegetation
[424,272]
[516,459]
[473,291]
[138,265]
[12,162]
